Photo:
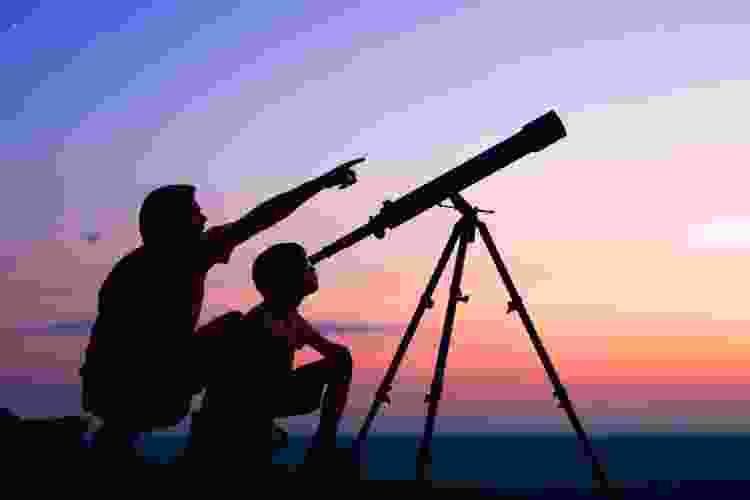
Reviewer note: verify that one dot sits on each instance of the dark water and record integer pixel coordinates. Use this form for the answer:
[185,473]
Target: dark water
[536,461]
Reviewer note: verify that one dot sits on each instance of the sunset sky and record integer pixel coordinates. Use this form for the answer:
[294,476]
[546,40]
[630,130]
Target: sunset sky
[629,239]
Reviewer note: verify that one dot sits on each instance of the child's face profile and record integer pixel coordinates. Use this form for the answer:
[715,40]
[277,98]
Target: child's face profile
[310,280]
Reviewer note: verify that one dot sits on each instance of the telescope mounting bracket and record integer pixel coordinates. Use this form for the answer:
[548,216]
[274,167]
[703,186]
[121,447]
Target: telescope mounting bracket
[379,231]
[462,206]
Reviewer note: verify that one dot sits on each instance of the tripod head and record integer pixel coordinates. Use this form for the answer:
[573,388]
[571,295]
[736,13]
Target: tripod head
[463,207]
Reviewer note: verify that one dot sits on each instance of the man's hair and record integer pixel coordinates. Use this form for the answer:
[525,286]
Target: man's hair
[279,266]
[162,208]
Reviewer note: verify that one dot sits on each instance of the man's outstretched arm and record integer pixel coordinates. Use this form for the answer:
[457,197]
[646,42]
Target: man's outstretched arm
[283,205]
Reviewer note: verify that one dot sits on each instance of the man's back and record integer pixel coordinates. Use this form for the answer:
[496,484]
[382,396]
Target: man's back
[139,355]
[146,303]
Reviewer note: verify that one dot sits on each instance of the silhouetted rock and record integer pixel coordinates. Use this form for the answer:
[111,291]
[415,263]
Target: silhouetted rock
[279,437]
[54,439]
[9,432]
[7,417]
[38,441]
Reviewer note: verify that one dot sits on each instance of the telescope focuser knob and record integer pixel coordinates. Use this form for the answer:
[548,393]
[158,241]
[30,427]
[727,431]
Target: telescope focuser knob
[379,232]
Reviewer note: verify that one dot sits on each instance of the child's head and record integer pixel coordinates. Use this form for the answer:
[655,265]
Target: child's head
[283,272]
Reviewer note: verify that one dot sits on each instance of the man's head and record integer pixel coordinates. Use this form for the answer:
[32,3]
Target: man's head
[170,214]
[283,272]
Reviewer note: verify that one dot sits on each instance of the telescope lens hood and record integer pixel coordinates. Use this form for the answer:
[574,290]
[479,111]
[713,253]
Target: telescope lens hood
[543,131]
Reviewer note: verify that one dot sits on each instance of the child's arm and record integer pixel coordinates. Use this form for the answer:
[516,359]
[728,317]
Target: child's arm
[312,337]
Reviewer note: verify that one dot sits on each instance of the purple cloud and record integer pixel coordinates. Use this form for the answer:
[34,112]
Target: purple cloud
[326,327]
[333,327]
[56,328]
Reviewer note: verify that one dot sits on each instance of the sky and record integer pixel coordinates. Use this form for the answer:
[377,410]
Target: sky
[629,239]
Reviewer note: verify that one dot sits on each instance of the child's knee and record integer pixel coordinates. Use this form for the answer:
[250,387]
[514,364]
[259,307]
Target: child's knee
[344,363]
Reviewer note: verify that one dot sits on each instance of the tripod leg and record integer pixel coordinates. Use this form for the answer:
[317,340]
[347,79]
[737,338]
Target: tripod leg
[381,395]
[560,391]
[424,458]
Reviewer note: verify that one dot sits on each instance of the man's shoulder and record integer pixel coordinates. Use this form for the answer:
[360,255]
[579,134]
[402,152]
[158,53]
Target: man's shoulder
[142,258]
[220,231]
[218,242]
[127,268]
[169,264]
[131,258]
[187,258]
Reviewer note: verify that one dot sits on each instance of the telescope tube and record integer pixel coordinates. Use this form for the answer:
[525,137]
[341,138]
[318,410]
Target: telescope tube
[533,137]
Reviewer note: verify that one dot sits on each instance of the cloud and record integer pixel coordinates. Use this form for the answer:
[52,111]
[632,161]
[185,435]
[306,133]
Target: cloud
[326,327]
[8,263]
[81,327]
[39,400]
[721,232]
[56,328]
[333,327]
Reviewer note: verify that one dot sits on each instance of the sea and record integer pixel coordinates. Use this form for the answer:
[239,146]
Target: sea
[519,461]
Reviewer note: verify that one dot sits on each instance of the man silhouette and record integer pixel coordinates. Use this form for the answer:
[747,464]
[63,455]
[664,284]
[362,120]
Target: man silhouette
[140,370]
[258,352]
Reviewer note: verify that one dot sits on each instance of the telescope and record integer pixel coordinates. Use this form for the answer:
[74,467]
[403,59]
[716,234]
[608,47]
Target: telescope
[533,137]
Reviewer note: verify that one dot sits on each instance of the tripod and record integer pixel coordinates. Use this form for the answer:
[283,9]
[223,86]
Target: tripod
[464,232]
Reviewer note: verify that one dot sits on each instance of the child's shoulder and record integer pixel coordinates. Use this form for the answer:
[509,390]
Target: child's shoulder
[258,317]
[255,313]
